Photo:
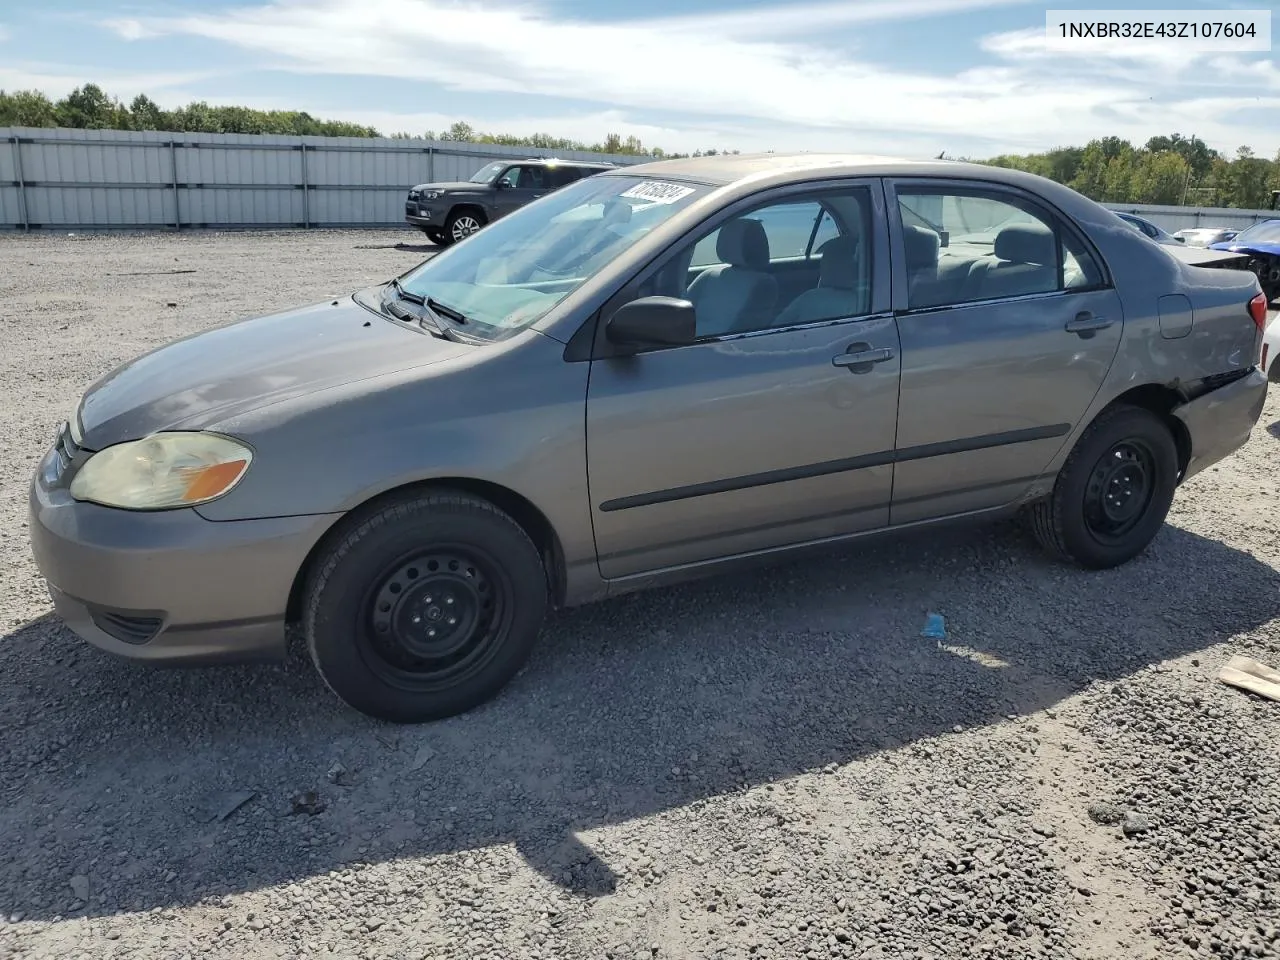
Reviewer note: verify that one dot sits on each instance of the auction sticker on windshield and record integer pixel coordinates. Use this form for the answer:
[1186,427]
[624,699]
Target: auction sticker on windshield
[656,191]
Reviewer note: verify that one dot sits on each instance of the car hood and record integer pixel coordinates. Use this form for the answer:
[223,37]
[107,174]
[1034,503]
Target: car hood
[197,381]
[1234,247]
[450,186]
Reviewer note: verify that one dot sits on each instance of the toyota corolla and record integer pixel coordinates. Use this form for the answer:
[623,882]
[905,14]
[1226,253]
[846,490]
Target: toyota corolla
[652,374]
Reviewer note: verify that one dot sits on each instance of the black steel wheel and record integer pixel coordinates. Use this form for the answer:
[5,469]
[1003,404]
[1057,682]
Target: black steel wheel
[1114,491]
[1119,490]
[436,617]
[425,606]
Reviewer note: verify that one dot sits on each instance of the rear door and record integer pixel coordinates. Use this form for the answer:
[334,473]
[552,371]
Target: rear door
[1009,325]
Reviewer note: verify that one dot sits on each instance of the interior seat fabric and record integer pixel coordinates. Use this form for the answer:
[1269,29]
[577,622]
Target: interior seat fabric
[737,294]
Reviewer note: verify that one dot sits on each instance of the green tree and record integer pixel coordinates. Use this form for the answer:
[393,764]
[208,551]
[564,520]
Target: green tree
[27,108]
[1159,178]
[90,108]
[146,114]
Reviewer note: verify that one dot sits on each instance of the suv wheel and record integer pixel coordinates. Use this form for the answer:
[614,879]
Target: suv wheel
[462,223]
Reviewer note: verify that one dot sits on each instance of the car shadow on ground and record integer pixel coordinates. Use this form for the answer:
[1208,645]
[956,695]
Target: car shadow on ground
[631,707]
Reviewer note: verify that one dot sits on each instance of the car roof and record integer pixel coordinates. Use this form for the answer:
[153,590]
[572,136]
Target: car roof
[554,162]
[777,169]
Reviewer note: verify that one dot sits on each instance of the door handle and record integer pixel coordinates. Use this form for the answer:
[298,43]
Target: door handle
[861,358]
[1085,322]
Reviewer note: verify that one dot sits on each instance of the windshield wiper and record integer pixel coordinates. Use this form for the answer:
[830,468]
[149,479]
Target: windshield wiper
[404,294]
[435,306]
[427,318]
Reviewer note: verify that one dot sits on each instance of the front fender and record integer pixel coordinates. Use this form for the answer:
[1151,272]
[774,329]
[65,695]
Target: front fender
[509,414]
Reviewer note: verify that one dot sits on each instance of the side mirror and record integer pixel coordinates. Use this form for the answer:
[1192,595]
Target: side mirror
[653,320]
[504,184]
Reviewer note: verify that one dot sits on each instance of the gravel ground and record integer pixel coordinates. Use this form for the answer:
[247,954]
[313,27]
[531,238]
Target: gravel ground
[770,765]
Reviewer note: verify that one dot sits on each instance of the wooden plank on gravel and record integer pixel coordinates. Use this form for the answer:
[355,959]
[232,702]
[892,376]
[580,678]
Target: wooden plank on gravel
[1252,676]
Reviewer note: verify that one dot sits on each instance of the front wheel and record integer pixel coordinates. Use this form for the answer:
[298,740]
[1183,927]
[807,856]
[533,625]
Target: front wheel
[462,223]
[1114,491]
[425,608]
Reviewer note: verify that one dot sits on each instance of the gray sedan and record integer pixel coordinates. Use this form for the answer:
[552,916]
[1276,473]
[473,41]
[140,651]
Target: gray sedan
[655,373]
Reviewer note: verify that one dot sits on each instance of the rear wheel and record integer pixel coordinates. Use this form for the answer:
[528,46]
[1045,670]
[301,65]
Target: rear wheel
[1114,491]
[425,608]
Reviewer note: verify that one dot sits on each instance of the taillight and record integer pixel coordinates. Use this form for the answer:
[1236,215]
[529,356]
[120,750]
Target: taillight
[1258,310]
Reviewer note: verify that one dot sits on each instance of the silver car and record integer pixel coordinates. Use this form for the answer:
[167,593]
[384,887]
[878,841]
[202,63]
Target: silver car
[652,374]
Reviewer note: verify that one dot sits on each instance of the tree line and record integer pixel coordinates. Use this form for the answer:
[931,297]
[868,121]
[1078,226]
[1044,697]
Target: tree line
[1173,169]
[90,107]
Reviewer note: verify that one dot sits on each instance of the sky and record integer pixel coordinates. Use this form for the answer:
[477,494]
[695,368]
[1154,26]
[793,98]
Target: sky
[905,77]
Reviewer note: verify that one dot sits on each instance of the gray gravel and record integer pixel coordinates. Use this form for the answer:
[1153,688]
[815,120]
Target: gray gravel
[770,765]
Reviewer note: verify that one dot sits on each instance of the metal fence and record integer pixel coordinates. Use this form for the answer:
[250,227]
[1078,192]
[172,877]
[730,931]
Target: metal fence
[60,179]
[1173,219]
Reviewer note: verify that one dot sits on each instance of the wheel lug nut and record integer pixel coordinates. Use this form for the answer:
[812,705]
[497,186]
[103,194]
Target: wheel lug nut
[431,633]
[452,621]
[448,599]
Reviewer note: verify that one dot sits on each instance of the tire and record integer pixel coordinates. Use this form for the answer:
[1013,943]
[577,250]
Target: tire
[462,223]
[434,235]
[1077,522]
[381,605]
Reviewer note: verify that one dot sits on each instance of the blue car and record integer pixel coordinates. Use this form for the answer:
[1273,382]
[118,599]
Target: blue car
[1262,243]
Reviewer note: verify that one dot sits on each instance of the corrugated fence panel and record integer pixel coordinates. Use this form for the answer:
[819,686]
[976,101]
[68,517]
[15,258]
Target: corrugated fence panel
[235,206]
[357,207]
[112,178]
[10,205]
[1173,219]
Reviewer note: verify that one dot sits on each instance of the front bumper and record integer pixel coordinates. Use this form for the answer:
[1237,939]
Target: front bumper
[167,586]
[1220,422]
[423,214]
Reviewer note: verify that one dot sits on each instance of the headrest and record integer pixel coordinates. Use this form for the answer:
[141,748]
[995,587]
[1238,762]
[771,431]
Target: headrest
[743,243]
[1027,243]
[921,246]
[839,266]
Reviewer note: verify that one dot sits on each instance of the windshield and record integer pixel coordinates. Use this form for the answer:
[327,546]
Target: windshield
[510,274]
[1266,232]
[488,173]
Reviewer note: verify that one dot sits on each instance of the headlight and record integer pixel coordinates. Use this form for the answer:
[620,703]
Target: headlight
[163,471]
[431,195]
[73,426]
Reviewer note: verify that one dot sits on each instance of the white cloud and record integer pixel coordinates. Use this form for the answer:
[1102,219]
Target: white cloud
[806,19]
[57,80]
[129,29]
[769,79]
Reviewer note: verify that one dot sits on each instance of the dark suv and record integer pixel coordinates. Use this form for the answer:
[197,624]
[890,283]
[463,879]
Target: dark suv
[448,212]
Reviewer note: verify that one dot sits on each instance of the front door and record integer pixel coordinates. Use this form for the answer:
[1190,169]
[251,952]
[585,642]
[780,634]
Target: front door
[1009,326]
[777,426]
[525,183]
